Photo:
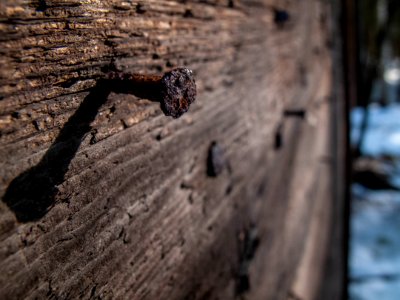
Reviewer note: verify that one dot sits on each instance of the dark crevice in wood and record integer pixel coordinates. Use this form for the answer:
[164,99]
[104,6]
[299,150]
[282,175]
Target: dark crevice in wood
[278,138]
[41,5]
[248,242]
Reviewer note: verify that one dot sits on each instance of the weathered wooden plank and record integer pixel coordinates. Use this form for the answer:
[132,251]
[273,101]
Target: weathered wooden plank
[104,196]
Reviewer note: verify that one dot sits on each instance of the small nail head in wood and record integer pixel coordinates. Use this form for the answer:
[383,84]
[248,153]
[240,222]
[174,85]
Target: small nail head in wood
[178,91]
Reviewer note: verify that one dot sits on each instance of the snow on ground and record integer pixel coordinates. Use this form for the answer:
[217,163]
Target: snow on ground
[375,223]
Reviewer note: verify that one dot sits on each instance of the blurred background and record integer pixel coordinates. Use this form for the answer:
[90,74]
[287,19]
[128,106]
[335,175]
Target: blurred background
[374,261]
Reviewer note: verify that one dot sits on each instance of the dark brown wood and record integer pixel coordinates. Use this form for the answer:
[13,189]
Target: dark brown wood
[105,197]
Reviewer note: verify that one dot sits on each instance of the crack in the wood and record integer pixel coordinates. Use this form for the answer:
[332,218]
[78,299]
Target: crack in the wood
[248,242]
[278,138]
[141,8]
[41,6]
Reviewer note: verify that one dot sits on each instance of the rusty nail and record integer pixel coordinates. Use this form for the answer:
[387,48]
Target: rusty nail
[280,16]
[301,113]
[175,90]
[216,161]
[278,137]
[248,242]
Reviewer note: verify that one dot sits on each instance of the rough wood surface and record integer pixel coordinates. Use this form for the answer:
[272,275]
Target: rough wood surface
[105,197]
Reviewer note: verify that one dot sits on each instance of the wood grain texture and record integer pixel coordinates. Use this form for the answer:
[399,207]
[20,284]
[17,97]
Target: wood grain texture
[105,197]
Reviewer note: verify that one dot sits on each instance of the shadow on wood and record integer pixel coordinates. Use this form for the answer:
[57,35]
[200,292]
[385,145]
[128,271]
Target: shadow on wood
[32,193]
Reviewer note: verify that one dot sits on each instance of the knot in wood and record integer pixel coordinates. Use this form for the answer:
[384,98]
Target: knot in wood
[178,91]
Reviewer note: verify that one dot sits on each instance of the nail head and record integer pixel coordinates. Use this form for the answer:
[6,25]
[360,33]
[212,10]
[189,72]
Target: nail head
[178,91]
[216,160]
